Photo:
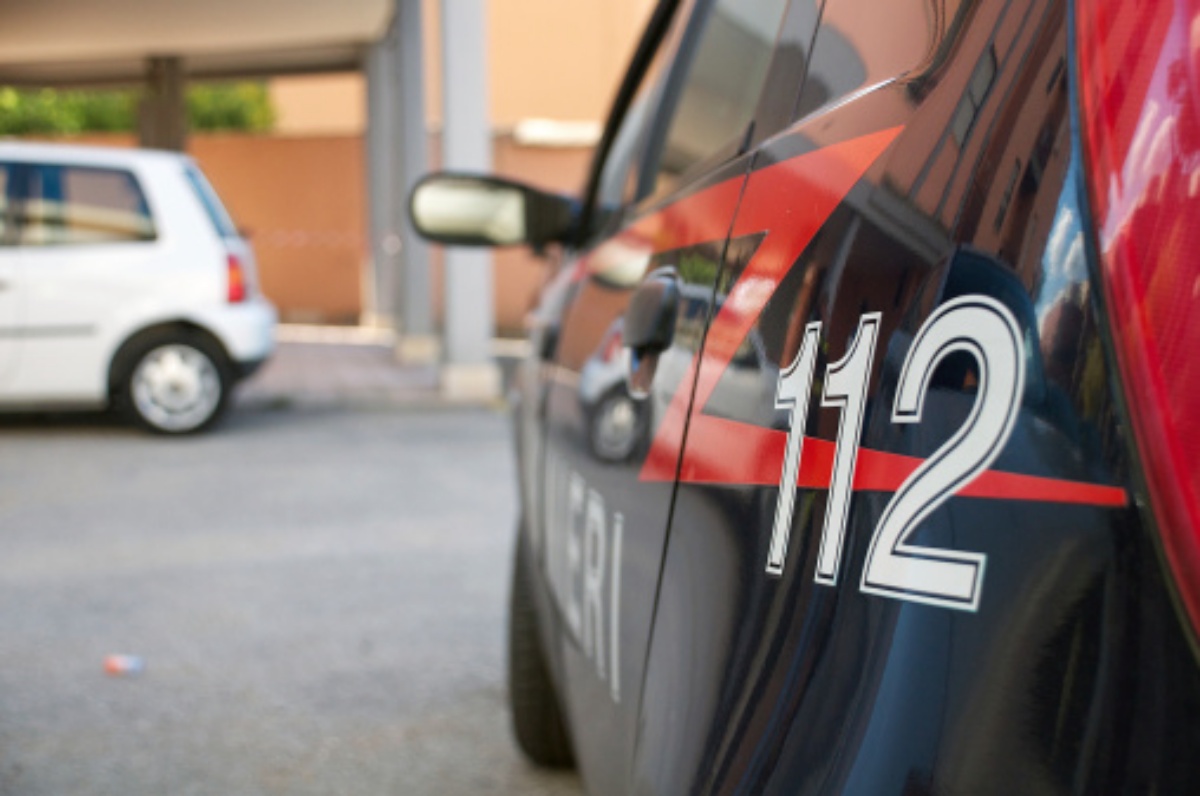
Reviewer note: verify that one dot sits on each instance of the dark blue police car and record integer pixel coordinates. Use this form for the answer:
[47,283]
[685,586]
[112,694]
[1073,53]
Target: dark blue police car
[911,505]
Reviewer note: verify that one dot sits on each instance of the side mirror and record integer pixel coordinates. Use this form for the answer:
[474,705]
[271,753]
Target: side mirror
[473,210]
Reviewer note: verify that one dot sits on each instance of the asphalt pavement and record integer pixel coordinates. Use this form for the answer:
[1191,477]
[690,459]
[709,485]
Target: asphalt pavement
[316,590]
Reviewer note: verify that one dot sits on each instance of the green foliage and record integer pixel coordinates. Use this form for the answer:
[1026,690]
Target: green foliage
[243,107]
[698,269]
[45,111]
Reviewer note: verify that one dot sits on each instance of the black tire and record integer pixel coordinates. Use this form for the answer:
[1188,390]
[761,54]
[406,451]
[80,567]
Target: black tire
[537,717]
[188,401]
[612,441]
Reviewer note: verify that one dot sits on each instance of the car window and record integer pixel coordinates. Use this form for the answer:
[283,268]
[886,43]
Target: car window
[74,205]
[619,175]
[216,212]
[978,88]
[710,109]
[862,43]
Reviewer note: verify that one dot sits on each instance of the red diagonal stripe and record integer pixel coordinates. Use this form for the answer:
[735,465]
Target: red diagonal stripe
[732,453]
[790,201]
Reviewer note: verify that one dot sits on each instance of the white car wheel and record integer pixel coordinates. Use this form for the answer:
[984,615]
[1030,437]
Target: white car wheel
[176,388]
[615,426]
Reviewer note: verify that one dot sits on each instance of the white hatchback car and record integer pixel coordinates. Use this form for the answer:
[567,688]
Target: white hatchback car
[123,283]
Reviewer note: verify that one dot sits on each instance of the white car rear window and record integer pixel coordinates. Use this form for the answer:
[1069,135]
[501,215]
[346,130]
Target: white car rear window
[216,211]
[81,205]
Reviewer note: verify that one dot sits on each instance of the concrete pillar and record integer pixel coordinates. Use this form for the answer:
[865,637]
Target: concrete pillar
[162,115]
[381,165]
[468,369]
[414,292]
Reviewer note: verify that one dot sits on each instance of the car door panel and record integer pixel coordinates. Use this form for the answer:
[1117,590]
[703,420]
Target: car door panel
[605,525]
[901,197]
[74,297]
[608,499]
[723,450]
[88,253]
[11,306]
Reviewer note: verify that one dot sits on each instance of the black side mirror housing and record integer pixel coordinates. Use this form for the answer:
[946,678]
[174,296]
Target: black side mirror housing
[477,210]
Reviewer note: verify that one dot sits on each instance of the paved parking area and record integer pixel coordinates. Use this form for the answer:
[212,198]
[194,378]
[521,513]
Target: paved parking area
[335,366]
[317,592]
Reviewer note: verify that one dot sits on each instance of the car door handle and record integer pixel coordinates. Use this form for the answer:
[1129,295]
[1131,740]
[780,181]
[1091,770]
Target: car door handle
[650,326]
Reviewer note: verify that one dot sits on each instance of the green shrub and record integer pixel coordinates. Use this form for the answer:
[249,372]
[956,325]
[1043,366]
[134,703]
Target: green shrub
[243,107]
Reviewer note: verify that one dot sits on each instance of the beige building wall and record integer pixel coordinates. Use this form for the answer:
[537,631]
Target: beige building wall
[556,60]
[550,59]
[559,59]
[332,104]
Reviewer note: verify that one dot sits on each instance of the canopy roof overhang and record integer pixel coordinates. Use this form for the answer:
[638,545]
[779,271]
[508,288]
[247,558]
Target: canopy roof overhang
[91,42]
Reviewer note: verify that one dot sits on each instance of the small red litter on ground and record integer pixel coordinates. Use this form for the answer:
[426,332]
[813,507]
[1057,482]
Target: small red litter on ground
[124,665]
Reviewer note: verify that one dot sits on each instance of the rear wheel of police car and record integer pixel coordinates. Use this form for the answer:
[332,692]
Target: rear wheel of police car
[537,717]
[172,382]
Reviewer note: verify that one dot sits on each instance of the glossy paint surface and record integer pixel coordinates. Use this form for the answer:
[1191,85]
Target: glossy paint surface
[929,158]
[1140,86]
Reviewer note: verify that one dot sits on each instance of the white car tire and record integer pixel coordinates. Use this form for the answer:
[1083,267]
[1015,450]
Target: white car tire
[172,382]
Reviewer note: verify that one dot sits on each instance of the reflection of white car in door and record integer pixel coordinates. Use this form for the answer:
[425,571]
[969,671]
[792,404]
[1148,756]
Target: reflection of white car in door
[615,421]
[124,284]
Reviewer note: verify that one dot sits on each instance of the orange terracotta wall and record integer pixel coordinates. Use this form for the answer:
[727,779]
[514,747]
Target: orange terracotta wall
[303,201]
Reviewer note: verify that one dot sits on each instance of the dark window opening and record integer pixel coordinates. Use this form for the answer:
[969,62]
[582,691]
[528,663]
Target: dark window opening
[82,205]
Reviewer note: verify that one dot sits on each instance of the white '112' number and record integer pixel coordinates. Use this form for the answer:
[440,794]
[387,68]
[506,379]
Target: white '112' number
[978,325]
